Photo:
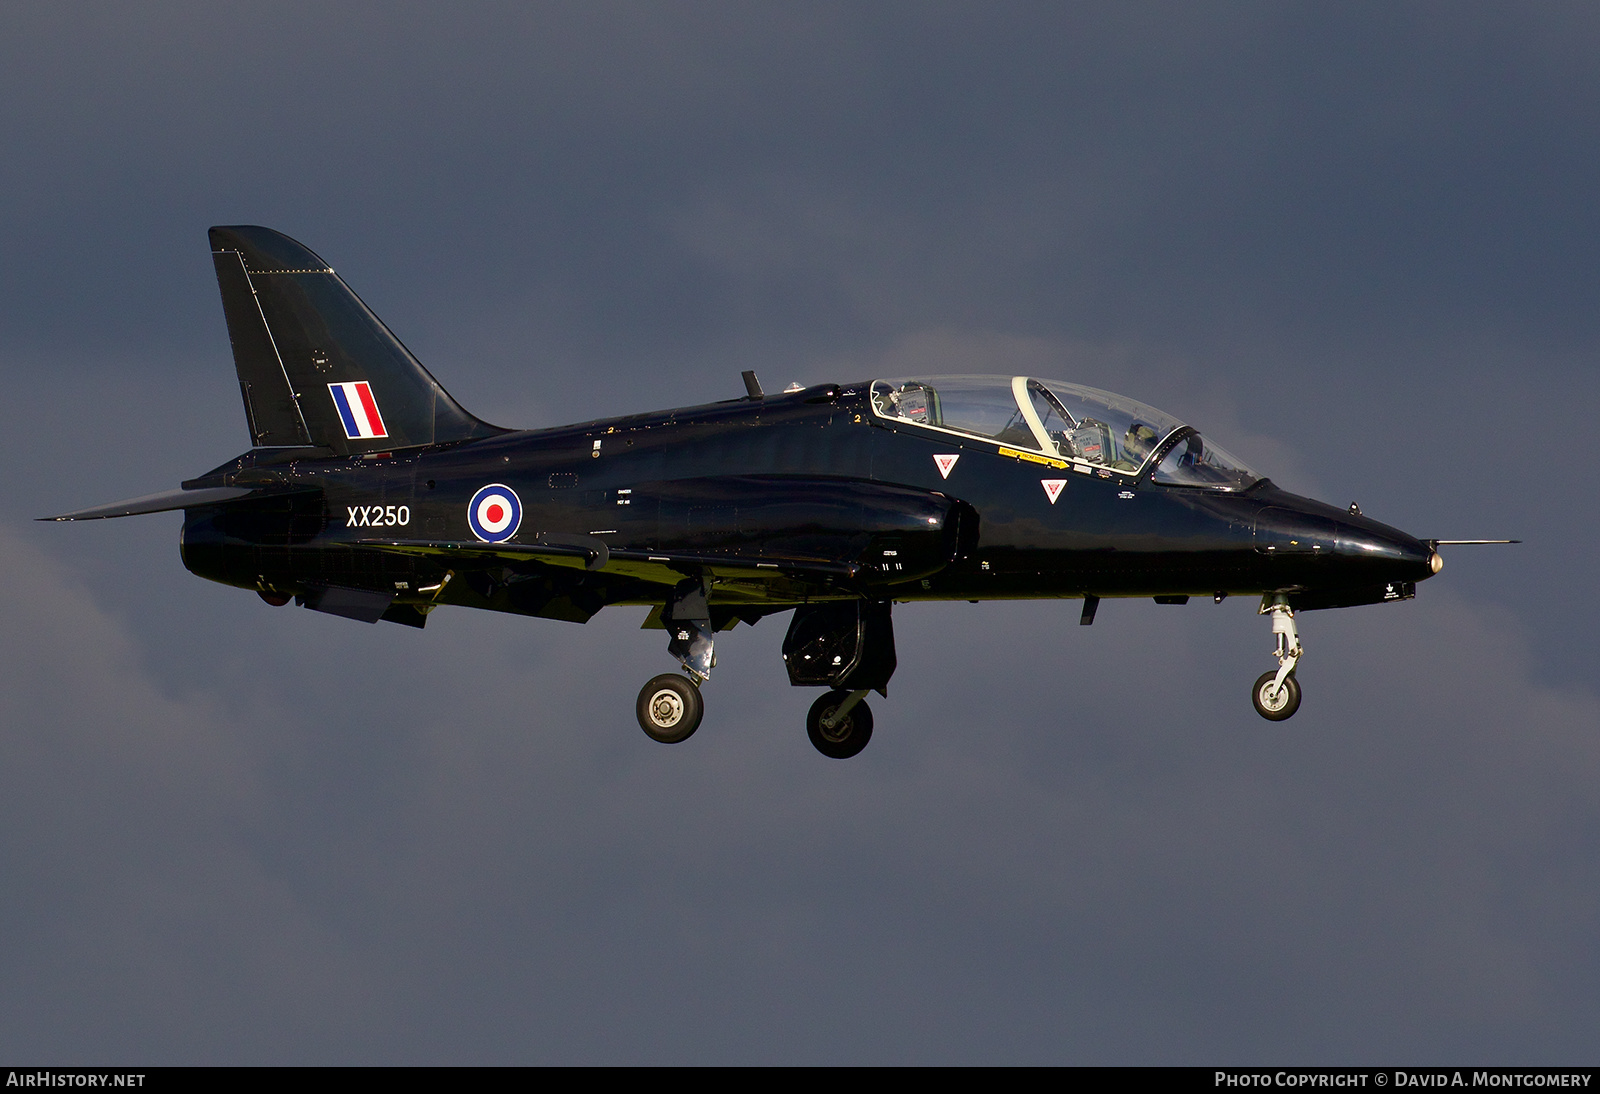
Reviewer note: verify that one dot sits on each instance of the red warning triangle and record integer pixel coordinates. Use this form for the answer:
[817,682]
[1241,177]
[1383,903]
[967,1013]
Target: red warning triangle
[945,463]
[1052,488]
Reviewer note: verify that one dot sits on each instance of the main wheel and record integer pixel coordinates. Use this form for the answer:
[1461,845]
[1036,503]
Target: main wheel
[669,709]
[1279,706]
[845,739]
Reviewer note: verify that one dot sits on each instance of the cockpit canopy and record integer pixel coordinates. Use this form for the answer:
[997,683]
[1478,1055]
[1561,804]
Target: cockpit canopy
[1089,428]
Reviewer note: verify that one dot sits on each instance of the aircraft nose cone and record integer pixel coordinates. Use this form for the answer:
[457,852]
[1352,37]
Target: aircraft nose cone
[1397,555]
[1340,546]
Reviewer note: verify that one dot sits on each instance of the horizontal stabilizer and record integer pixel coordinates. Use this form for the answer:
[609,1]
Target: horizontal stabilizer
[170,500]
[163,502]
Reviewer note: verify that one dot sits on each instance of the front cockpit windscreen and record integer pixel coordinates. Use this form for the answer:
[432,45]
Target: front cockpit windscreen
[1196,462]
[1064,421]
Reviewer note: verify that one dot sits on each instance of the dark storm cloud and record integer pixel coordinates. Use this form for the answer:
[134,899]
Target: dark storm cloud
[1286,165]
[1048,866]
[1352,243]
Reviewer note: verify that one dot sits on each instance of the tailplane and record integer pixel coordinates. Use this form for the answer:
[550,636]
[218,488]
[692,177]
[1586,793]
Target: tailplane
[316,366]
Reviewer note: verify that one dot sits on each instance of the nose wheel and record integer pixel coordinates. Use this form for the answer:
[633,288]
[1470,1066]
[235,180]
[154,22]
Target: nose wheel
[1273,701]
[670,708]
[1276,695]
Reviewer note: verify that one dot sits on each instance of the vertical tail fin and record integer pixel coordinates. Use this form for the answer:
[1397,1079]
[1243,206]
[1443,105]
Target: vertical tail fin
[315,366]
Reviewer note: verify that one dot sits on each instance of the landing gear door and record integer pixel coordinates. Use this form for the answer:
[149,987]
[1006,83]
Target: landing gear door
[841,644]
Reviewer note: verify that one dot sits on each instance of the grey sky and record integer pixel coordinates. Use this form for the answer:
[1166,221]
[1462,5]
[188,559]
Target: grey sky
[1355,243]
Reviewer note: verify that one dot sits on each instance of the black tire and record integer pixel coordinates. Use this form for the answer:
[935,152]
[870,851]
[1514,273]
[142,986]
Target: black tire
[847,738]
[1280,707]
[669,709]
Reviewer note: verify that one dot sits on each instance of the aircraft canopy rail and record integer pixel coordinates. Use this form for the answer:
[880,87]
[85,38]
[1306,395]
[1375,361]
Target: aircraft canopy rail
[1083,425]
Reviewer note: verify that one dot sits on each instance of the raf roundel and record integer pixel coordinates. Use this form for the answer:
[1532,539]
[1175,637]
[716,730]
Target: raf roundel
[495,512]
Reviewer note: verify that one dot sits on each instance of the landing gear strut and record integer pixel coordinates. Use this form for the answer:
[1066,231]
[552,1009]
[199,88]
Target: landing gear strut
[670,707]
[1276,695]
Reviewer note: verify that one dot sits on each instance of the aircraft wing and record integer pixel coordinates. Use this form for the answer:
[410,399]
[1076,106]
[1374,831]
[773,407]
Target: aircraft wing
[791,540]
[591,553]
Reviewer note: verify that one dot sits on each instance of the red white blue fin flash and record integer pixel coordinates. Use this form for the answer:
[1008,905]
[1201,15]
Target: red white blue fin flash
[358,410]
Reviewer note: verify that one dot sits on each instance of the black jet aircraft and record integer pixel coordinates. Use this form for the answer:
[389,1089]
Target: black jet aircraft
[370,493]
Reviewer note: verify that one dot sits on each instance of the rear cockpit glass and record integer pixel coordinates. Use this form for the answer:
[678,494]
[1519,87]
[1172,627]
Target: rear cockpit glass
[977,406]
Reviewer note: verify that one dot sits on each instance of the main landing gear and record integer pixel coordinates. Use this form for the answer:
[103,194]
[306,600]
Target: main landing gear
[840,723]
[846,646]
[1276,695]
[669,706]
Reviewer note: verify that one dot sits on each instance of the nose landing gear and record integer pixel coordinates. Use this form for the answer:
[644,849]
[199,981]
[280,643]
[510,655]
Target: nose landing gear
[1276,695]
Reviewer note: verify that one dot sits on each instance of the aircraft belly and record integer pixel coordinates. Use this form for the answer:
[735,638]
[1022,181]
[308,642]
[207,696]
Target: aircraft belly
[292,568]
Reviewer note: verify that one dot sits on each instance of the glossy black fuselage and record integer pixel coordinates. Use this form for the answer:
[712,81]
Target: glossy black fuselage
[813,475]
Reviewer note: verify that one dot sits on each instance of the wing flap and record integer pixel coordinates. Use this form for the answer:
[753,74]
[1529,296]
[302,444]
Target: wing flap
[362,605]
